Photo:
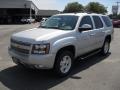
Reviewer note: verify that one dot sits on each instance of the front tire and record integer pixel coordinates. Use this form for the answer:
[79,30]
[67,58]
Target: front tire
[63,63]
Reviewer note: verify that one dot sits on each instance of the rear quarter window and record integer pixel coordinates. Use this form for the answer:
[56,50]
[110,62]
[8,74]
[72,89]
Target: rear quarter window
[107,21]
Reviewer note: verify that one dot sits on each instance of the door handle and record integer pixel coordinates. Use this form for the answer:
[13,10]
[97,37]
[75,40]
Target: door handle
[92,34]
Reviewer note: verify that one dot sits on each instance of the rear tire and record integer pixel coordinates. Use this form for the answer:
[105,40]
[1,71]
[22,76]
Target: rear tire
[63,63]
[106,47]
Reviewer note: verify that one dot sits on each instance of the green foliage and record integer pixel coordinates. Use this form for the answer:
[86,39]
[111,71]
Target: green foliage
[95,7]
[92,7]
[73,7]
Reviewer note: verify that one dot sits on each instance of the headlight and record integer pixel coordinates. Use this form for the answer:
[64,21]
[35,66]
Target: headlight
[40,48]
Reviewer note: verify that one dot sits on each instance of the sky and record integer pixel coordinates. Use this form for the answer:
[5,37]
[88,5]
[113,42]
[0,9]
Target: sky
[60,4]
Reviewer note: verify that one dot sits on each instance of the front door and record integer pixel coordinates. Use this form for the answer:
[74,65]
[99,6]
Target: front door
[83,37]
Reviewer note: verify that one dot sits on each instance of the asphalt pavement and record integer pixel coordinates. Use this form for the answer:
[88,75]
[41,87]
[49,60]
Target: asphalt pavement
[95,73]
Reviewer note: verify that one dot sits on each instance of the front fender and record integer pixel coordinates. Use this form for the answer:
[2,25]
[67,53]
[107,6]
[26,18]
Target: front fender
[57,45]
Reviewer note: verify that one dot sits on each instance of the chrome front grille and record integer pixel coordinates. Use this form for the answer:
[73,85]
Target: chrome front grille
[20,46]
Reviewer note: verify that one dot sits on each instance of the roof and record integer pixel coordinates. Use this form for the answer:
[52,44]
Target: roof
[80,14]
[47,12]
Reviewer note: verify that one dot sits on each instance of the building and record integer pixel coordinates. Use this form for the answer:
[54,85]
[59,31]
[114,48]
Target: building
[12,11]
[46,13]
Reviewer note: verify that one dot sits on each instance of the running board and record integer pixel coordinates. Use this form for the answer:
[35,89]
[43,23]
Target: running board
[89,55]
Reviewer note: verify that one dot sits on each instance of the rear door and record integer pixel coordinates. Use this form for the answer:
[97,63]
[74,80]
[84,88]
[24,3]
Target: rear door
[96,35]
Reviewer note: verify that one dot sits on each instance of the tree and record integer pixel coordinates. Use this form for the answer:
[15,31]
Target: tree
[95,7]
[73,7]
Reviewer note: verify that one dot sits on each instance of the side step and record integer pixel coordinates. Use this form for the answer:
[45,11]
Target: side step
[89,54]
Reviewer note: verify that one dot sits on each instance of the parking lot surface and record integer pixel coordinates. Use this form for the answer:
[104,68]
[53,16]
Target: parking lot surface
[95,73]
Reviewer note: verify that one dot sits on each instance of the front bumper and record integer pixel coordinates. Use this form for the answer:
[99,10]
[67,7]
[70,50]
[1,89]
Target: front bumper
[44,61]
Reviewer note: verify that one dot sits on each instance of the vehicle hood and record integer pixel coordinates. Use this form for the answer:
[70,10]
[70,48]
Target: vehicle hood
[38,34]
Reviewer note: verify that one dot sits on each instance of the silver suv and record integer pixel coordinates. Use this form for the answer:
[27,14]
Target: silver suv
[60,40]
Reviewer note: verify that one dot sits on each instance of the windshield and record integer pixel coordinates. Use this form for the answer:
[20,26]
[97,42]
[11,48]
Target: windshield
[63,22]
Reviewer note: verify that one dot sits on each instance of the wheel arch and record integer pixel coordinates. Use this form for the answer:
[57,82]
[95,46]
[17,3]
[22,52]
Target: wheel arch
[70,48]
[108,37]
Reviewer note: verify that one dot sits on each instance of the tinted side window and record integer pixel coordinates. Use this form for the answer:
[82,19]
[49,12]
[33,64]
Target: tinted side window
[98,22]
[86,20]
[107,21]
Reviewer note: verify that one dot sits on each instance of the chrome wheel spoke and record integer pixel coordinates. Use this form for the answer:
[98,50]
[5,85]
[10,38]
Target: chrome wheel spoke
[65,64]
[106,47]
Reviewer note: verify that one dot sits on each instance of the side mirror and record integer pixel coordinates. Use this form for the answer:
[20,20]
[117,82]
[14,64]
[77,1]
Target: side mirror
[85,27]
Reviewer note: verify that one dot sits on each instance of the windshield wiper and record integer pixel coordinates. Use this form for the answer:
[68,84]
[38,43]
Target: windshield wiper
[42,27]
[54,27]
[49,27]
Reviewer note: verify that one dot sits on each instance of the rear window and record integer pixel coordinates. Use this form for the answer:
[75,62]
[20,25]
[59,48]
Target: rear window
[107,21]
[98,22]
